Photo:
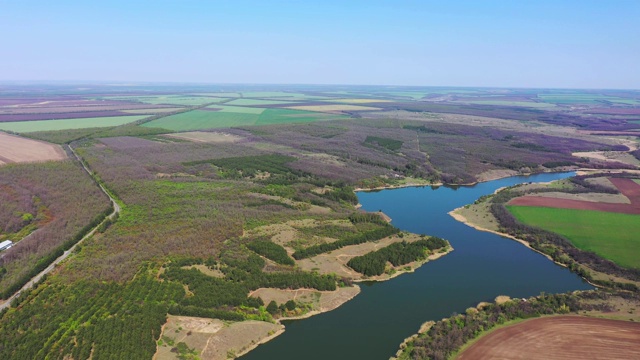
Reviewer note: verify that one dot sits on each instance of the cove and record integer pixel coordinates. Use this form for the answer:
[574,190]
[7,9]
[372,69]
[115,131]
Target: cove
[482,266]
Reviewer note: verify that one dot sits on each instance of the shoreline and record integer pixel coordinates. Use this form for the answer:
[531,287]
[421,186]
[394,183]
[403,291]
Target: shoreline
[453,213]
[492,178]
[262,341]
[465,221]
[417,265]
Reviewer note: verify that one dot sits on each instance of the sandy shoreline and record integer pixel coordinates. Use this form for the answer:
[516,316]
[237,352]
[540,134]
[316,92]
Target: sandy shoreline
[262,341]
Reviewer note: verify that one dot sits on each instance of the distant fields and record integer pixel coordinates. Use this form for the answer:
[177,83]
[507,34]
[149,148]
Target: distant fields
[613,236]
[204,119]
[168,99]
[237,109]
[530,104]
[578,98]
[83,123]
[334,107]
[257,102]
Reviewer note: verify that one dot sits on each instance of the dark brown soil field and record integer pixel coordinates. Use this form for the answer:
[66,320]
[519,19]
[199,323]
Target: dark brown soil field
[627,187]
[560,337]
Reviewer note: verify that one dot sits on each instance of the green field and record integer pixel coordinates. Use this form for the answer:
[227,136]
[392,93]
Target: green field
[251,102]
[201,119]
[237,109]
[65,124]
[613,236]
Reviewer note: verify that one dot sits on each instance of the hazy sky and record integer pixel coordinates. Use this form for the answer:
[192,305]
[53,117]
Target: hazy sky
[510,43]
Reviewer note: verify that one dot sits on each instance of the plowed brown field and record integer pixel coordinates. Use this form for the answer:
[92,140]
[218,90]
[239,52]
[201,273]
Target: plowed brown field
[627,187]
[15,149]
[560,337]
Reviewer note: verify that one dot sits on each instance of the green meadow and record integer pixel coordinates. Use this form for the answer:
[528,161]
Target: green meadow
[202,119]
[613,236]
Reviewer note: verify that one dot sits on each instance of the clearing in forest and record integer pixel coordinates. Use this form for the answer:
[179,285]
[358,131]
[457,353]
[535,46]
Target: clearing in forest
[15,149]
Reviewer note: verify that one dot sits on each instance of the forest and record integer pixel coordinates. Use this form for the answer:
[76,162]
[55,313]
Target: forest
[47,208]
[374,263]
[181,246]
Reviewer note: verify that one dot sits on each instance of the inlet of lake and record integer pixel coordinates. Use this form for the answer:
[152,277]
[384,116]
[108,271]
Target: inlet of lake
[482,266]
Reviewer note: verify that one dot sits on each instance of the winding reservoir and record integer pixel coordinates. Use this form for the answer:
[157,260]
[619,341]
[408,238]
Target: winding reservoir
[482,266]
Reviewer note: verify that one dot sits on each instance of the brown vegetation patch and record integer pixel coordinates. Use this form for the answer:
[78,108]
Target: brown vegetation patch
[320,301]
[212,338]
[627,187]
[16,149]
[610,156]
[591,197]
[560,337]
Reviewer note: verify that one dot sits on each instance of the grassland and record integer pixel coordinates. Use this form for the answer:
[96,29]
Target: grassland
[577,98]
[229,117]
[184,100]
[610,235]
[335,107]
[257,102]
[47,125]
[237,109]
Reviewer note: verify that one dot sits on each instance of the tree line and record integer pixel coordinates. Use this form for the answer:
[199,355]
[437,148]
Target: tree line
[447,336]
[374,263]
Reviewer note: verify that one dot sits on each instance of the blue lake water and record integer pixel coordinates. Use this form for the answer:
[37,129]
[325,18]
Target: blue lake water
[482,266]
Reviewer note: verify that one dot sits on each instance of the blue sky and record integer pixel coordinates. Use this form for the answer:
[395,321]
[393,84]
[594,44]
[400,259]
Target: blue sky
[566,44]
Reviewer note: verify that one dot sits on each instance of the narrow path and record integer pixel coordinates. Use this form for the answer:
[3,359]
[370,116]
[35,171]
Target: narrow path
[35,279]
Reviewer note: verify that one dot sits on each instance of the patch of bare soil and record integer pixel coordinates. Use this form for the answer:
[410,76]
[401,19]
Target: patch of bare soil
[615,156]
[213,339]
[593,197]
[16,149]
[560,337]
[206,270]
[496,174]
[206,137]
[318,301]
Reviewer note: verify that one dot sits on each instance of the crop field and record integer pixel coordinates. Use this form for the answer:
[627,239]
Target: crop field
[15,149]
[330,108]
[236,109]
[359,101]
[82,123]
[151,111]
[560,337]
[228,117]
[627,187]
[257,102]
[168,99]
[530,104]
[577,98]
[613,236]
[200,209]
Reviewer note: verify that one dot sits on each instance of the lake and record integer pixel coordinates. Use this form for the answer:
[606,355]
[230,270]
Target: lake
[482,266]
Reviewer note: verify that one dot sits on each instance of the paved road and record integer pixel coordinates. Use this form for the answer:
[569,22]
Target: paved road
[35,279]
